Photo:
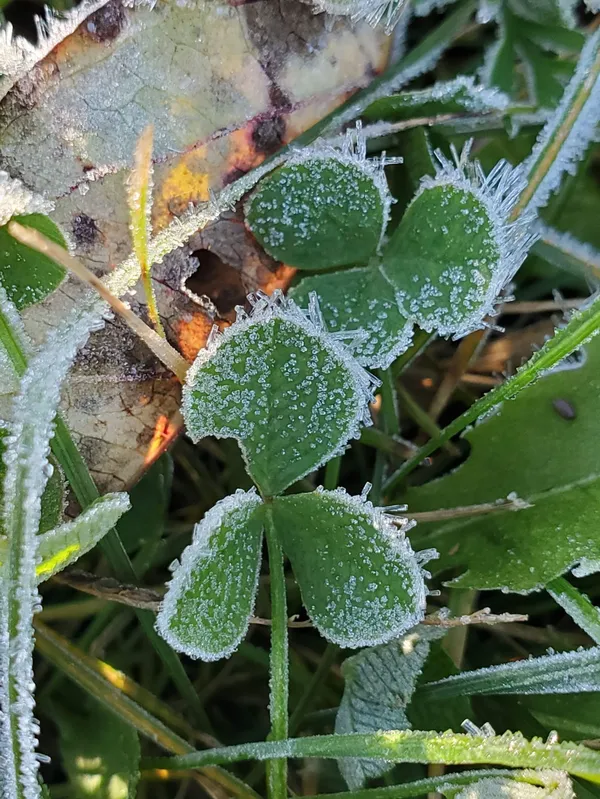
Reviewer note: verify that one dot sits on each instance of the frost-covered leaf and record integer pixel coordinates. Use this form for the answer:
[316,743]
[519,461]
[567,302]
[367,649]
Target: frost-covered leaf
[26,275]
[60,547]
[26,460]
[514,450]
[290,394]
[360,580]
[360,299]
[563,673]
[455,249]
[68,130]
[460,95]
[323,208]
[565,138]
[528,785]
[209,601]
[100,753]
[379,684]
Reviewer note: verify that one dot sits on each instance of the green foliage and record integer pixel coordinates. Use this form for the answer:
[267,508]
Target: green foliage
[379,684]
[100,754]
[205,613]
[360,299]
[360,580]
[321,210]
[27,276]
[290,395]
[527,549]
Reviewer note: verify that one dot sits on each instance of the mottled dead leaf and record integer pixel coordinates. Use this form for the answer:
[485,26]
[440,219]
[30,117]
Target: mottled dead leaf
[224,86]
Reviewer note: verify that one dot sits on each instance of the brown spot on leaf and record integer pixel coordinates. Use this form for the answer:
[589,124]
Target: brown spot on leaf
[85,231]
[107,23]
[268,134]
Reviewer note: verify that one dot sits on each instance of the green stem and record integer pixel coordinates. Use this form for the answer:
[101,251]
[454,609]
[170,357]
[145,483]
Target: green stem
[407,746]
[279,677]
[582,326]
[585,614]
[423,419]
[310,694]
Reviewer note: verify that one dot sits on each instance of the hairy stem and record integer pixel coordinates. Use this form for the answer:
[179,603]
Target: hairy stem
[279,676]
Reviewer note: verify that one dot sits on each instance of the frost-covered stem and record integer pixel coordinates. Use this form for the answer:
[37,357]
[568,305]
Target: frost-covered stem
[26,460]
[577,605]
[583,325]
[407,746]
[570,129]
[279,673]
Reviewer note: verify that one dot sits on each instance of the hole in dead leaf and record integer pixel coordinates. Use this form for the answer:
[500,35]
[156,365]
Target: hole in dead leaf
[217,280]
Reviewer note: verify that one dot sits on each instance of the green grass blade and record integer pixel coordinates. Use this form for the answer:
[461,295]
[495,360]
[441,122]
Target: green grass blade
[408,746]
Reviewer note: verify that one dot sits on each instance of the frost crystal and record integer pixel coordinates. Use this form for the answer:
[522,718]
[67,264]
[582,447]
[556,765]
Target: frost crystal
[477,288]
[585,84]
[376,12]
[26,460]
[15,198]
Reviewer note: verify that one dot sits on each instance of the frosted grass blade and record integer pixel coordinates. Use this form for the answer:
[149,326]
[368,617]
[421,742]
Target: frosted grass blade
[27,472]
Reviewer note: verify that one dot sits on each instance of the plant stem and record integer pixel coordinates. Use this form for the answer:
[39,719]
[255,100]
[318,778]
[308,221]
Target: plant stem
[406,746]
[582,326]
[279,675]
[332,473]
[423,419]
[577,605]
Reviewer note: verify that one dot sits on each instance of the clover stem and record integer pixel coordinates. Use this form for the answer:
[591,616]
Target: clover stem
[279,679]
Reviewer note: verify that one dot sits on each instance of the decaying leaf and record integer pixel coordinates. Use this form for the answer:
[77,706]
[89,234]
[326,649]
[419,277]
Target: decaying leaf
[224,86]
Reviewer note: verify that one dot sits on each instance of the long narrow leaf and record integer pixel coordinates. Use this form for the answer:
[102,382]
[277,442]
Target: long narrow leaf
[26,460]
[563,673]
[407,746]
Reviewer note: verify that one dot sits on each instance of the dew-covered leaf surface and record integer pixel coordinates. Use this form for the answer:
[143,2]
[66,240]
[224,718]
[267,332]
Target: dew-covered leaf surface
[360,299]
[224,85]
[453,250]
[100,753]
[319,212]
[515,451]
[62,546]
[210,599]
[290,394]
[360,580]
[28,276]
[379,683]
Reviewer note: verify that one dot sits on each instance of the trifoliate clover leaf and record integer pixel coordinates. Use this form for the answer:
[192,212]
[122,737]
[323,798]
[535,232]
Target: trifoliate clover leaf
[209,601]
[455,248]
[324,207]
[360,580]
[361,299]
[285,389]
